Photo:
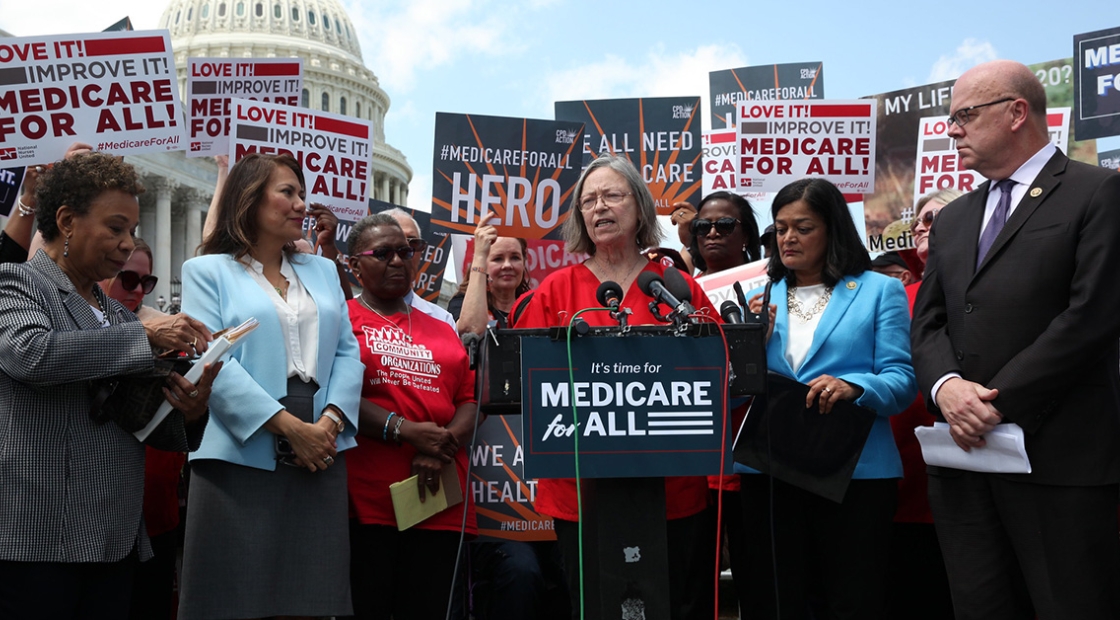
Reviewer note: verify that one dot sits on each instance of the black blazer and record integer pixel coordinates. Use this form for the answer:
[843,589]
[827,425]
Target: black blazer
[1038,320]
[71,490]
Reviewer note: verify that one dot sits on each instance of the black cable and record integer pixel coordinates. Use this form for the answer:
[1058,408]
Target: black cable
[466,505]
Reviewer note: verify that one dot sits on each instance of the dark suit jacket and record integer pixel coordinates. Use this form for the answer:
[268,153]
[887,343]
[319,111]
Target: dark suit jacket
[1038,320]
[70,489]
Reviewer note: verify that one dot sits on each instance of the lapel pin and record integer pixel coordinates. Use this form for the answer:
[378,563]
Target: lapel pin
[1036,192]
[851,285]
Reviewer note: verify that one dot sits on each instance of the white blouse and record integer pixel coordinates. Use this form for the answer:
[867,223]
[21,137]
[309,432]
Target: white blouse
[801,334]
[299,319]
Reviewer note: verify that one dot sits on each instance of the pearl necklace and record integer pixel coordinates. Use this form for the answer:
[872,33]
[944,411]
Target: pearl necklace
[797,310]
[408,313]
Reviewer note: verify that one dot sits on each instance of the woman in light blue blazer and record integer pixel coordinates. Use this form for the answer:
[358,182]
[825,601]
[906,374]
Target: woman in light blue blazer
[845,331]
[267,523]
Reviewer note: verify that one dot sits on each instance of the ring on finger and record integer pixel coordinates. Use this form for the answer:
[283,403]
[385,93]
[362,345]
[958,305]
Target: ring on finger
[193,393]
[328,460]
[828,389]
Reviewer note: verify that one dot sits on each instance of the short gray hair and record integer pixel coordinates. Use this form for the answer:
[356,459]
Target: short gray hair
[649,232]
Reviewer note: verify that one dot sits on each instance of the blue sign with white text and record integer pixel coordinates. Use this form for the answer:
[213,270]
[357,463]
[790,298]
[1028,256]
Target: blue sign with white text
[648,406]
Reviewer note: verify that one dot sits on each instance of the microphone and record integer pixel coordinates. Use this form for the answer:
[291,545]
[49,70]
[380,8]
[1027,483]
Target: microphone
[651,284]
[731,313]
[610,295]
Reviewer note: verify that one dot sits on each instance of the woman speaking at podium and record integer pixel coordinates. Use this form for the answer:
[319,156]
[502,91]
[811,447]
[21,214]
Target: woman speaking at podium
[613,218]
[845,331]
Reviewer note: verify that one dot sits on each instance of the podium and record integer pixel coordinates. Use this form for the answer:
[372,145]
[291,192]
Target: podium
[650,402]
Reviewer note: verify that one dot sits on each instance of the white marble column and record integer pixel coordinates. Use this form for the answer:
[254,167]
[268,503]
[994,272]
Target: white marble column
[404,195]
[161,240]
[396,192]
[384,188]
[194,228]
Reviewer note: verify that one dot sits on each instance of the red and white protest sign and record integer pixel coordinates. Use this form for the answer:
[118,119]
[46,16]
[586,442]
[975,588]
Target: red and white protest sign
[720,286]
[542,258]
[114,90]
[721,165]
[783,141]
[333,150]
[213,82]
[937,166]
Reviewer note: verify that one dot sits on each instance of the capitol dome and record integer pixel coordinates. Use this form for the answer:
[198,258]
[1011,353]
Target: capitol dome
[318,31]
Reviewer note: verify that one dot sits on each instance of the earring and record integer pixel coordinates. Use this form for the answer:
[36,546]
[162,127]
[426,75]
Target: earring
[66,246]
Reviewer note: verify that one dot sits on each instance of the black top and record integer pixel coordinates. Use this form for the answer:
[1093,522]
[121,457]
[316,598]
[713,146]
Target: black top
[10,251]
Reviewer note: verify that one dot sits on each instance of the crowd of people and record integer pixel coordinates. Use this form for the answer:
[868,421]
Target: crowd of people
[296,440]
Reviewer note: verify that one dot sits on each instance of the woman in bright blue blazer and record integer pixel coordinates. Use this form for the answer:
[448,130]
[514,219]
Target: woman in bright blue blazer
[267,529]
[844,330]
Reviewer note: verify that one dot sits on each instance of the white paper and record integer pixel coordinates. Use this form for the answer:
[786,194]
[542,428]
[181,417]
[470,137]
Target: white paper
[217,349]
[1005,452]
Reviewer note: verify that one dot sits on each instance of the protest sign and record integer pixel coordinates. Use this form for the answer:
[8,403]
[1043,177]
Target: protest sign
[791,81]
[720,286]
[650,406]
[660,136]
[333,151]
[114,90]
[781,142]
[503,498]
[10,180]
[1096,83]
[521,170]
[1109,159]
[213,82]
[433,261]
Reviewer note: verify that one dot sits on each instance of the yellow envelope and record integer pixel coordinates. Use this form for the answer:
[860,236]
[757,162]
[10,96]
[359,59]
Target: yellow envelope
[406,498]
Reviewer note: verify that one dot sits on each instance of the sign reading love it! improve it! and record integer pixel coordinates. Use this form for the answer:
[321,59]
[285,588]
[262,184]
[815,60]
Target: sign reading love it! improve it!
[213,82]
[783,141]
[114,90]
[333,150]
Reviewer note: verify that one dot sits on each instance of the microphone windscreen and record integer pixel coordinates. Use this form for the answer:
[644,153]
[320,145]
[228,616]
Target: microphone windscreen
[674,281]
[645,279]
[608,291]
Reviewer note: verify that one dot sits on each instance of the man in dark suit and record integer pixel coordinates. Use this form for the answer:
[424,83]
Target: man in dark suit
[1017,322]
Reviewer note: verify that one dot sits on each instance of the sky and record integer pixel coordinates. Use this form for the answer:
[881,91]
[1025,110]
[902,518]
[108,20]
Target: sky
[516,58]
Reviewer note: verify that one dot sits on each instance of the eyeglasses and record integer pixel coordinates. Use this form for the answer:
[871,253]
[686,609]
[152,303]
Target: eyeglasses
[961,117]
[925,218]
[384,254]
[724,226]
[130,280]
[417,244]
[610,198]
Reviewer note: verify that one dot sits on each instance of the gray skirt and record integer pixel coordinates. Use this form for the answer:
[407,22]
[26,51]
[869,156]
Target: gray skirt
[267,543]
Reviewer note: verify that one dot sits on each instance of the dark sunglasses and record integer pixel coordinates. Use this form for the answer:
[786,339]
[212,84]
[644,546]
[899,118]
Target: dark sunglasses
[926,218]
[417,244]
[130,280]
[384,254]
[724,226]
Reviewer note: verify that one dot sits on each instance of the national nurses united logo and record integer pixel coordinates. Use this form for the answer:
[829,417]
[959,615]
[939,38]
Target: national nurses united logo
[399,361]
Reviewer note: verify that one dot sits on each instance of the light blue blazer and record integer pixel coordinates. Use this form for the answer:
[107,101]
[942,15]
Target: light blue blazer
[863,338]
[218,291]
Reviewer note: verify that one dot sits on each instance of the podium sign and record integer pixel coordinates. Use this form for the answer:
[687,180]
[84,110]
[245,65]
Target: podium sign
[647,405]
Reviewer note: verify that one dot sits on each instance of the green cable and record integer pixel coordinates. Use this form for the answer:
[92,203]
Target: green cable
[575,420]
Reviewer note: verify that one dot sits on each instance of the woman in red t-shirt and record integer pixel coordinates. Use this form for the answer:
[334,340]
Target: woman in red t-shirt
[613,218]
[417,417]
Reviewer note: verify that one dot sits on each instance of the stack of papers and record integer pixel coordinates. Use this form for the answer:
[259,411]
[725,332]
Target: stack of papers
[1005,452]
